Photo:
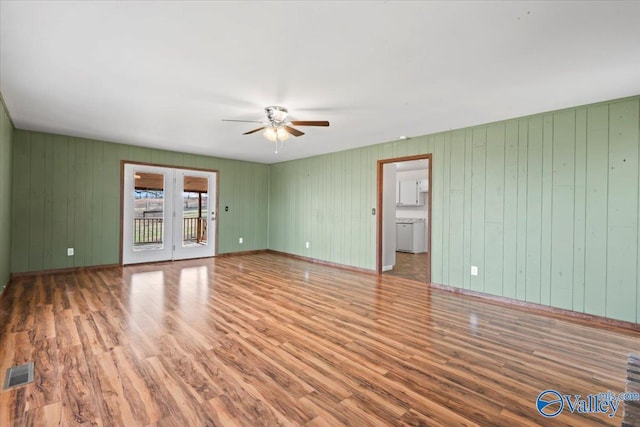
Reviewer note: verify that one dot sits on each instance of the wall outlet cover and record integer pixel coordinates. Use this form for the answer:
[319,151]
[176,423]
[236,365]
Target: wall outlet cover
[69,251]
[240,240]
[474,270]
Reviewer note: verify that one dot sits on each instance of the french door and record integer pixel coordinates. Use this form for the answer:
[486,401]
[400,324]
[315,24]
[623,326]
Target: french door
[168,214]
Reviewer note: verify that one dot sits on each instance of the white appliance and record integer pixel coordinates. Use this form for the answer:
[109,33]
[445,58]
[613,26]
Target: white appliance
[411,235]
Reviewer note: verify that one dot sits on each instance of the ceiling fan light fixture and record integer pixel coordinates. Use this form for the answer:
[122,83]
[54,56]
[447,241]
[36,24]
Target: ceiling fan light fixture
[274,134]
[278,127]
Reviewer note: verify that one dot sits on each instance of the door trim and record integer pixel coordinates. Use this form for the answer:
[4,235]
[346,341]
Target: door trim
[380,166]
[162,165]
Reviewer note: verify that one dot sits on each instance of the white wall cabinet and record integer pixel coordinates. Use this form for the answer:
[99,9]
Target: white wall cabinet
[409,193]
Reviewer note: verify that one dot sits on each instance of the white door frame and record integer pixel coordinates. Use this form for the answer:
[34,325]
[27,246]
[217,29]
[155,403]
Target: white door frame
[171,248]
[380,198]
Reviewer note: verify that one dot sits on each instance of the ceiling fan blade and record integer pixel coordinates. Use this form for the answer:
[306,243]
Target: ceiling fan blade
[253,131]
[242,121]
[292,131]
[310,123]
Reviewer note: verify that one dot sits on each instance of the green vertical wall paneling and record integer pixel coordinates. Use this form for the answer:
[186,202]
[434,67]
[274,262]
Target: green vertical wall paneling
[60,204]
[327,201]
[478,206]
[110,206]
[552,209]
[20,212]
[456,202]
[341,194]
[81,188]
[513,255]
[359,225]
[531,139]
[357,207]
[36,200]
[562,213]
[579,210]
[368,163]
[547,209]
[596,209]
[446,206]
[521,135]
[6,145]
[437,230]
[72,230]
[468,156]
[66,193]
[310,232]
[100,195]
[561,172]
[47,240]
[622,221]
[494,209]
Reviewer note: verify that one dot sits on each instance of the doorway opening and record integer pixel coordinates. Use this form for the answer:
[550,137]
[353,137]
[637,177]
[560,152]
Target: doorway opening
[167,213]
[404,217]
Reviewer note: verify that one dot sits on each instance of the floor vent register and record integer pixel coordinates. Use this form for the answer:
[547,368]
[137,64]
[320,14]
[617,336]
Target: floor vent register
[18,375]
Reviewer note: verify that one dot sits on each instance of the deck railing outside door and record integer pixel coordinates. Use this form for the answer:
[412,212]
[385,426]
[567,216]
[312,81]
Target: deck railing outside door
[149,230]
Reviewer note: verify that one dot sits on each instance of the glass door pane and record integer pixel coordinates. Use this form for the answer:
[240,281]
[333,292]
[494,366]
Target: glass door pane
[148,211]
[194,206]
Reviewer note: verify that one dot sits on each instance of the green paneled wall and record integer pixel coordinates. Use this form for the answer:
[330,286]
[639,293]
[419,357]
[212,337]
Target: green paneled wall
[546,206]
[66,193]
[6,142]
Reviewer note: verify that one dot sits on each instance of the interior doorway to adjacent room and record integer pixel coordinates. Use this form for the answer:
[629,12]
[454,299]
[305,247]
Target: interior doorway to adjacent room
[404,220]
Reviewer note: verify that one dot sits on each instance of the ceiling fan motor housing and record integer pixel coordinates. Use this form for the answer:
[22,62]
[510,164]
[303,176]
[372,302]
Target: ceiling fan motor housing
[276,114]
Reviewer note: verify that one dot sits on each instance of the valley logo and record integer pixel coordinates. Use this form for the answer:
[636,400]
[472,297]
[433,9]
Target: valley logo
[550,403]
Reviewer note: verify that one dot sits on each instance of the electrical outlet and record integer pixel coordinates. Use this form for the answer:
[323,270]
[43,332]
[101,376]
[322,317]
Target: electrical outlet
[474,270]
[306,245]
[240,240]
[69,251]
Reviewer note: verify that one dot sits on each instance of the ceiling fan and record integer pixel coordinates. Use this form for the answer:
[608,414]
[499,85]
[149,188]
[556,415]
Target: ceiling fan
[278,127]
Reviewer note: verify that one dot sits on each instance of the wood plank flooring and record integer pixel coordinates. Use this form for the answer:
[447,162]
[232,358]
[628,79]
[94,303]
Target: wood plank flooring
[265,340]
[411,266]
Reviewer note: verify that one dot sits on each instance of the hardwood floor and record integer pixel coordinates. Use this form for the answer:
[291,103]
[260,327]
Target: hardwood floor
[268,340]
[412,266]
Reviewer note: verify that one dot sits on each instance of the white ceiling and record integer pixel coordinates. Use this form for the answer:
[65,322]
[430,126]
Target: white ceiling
[164,74]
